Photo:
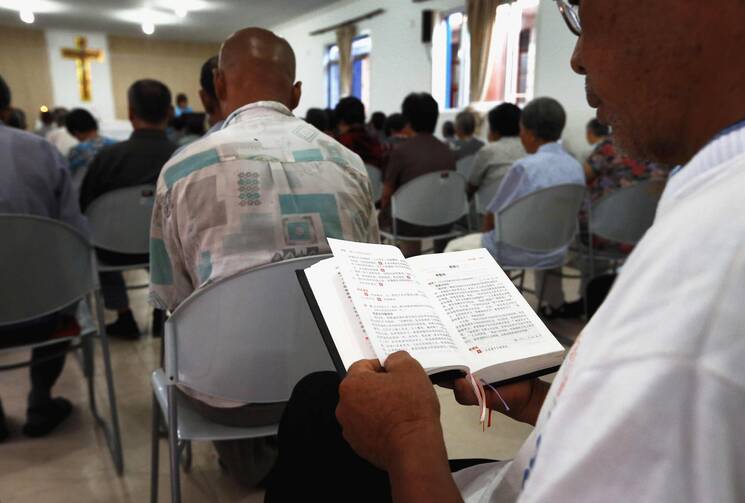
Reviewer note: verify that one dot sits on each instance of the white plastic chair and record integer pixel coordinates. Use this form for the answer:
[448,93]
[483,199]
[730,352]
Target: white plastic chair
[249,338]
[465,166]
[376,181]
[120,222]
[47,266]
[432,200]
[542,221]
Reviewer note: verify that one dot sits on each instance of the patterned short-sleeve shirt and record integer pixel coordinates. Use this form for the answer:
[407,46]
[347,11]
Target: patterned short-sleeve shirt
[264,188]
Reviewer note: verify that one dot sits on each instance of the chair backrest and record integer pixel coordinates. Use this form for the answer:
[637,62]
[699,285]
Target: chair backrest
[248,338]
[376,181]
[465,166]
[625,215]
[120,219]
[485,194]
[542,221]
[45,265]
[433,199]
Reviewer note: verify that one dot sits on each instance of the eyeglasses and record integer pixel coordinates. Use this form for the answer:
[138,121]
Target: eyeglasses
[570,13]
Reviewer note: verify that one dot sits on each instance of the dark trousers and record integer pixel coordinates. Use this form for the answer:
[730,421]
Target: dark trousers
[46,367]
[315,462]
[113,287]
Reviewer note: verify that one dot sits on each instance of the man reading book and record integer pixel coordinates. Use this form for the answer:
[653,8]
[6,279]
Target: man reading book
[648,405]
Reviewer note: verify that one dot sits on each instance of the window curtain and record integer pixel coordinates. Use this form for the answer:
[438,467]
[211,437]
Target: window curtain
[344,38]
[481,17]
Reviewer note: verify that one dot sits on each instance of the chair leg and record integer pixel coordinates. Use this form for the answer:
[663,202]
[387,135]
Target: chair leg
[522,280]
[543,290]
[155,452]
[186,460]
[173,444]
[112,432]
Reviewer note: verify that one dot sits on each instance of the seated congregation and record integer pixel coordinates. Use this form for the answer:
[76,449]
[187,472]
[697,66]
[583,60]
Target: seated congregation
[261,186]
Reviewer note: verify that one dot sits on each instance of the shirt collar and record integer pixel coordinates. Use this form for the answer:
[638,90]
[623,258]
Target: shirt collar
[550,148]
[147,133]
[258,109]
[727,145]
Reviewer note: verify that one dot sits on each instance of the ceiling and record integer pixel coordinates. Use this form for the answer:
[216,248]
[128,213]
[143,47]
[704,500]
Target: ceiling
[206,20]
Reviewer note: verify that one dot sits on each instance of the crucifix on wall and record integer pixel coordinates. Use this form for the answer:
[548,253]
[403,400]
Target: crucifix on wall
[83,56]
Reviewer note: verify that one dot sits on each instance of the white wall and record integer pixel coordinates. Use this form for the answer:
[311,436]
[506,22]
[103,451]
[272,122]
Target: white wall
[401,63]
[64,76]
[555,78]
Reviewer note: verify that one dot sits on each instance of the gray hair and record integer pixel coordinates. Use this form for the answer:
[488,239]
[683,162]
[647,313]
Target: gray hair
[465,123]
[545,118]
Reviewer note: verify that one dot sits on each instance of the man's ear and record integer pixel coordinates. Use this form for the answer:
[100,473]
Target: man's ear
[221,89]
[297,93]
[207,101]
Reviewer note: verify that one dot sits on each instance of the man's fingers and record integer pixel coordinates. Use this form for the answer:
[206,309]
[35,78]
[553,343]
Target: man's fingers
[364,366]
[400,360]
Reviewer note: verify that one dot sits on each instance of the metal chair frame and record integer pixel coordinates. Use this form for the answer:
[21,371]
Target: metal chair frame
[84,342]
[428,201]
[563,239]
[133,243]
[165,381]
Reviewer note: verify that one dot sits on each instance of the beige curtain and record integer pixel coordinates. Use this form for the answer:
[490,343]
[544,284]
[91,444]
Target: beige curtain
[344,38]
[481,17]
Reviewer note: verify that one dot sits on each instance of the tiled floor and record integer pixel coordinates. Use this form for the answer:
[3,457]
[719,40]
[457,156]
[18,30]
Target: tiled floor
[73,464]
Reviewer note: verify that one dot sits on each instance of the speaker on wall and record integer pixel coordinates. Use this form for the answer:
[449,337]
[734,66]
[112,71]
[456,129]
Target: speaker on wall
[428,26]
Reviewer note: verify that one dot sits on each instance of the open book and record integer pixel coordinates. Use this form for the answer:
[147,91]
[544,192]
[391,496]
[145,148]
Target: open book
[452,312]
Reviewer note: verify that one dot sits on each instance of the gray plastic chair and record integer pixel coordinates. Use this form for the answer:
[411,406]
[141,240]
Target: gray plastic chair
[376,181]
[248,338]
[47,266]
[623,216]
[485,194]
[120,222]
[541,221]
[434,199]
[465,166]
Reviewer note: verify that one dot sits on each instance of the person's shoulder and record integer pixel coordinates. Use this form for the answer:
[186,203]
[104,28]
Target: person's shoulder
[198,154]
[24,139]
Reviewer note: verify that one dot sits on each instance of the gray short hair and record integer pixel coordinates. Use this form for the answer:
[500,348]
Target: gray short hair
[545,118]
[465,123]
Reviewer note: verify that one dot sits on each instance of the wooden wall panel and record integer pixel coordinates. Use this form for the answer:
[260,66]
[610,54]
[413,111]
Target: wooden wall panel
[24,64]
[176,64]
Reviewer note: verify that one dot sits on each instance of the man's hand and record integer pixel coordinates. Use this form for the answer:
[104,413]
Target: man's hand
[383,411]
[391,417]
[524,398]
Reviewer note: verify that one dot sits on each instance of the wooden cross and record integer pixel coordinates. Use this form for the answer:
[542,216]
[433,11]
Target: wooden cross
[83,56]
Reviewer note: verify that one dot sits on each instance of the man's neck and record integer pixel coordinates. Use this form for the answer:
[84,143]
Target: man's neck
[90,135]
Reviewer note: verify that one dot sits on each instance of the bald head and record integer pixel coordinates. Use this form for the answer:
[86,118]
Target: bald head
[256,65]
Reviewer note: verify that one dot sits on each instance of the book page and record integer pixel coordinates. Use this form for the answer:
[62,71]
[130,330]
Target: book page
[340,315]
[395,309]
[493,319]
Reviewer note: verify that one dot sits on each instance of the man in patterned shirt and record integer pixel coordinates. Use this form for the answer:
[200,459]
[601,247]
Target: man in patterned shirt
[264,188]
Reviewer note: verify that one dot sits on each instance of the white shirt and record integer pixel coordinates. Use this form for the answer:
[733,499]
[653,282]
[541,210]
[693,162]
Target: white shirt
[650,402]
[63,140]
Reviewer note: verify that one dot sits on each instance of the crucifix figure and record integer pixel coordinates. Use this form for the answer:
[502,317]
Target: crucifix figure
[83,56]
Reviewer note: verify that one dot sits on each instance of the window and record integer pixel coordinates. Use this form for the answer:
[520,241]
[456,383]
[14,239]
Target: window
[361,47]
[511,72]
